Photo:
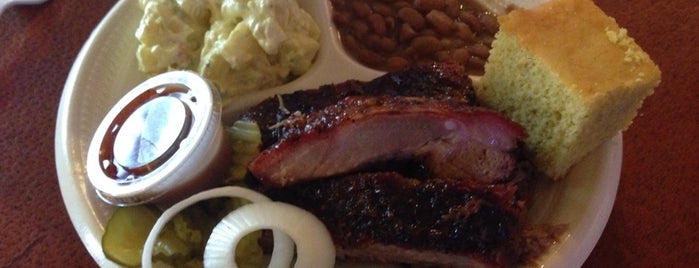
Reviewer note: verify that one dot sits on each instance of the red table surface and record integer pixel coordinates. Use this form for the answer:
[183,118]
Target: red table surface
[654,222]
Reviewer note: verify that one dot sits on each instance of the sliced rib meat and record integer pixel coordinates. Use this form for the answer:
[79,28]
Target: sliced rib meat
[385,217]
[437,81]
[412,171]
[452,139]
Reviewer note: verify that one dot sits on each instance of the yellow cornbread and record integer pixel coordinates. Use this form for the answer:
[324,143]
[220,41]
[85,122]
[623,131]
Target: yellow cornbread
[570,75]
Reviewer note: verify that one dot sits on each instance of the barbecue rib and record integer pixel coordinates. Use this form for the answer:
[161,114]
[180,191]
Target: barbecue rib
[385,217]
[452,140]
[438,81]
[401,169]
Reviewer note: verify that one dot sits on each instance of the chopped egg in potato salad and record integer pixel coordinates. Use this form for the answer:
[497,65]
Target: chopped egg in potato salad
[240,45]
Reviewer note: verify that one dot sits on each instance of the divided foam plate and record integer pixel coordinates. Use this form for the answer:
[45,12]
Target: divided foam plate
[106,69]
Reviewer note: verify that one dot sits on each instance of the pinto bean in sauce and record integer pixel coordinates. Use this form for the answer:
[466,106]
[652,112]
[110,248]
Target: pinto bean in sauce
[390,34]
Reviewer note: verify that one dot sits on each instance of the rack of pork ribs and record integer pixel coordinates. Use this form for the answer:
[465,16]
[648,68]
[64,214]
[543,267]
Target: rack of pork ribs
[405,168]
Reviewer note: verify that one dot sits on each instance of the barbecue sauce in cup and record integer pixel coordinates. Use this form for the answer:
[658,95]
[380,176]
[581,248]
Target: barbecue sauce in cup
[160,143]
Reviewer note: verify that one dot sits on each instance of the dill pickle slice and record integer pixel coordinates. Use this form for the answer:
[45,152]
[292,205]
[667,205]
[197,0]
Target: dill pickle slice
[126,232]
[181,242]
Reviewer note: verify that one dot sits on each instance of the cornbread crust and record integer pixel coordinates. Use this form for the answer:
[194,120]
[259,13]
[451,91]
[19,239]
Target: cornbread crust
[570,75]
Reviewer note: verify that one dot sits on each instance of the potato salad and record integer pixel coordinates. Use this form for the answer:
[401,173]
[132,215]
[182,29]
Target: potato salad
[240,45]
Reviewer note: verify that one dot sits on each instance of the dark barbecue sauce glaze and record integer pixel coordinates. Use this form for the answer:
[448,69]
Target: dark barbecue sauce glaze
[457,217]
[396,204]
[435,80]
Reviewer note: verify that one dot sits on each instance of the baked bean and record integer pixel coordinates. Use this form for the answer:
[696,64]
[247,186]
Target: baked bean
[361,8]
[350,42]
[427,5]
[449,43]
[442,23]
[341,18]
[426,45]
[396,63]
[406,33]
[479,50]
[428,32]
[370,57]
[487,40]
[458,42]
[410,53]
[387,44]
[383,9]
[372,41]
[378,43]
[452,8]
[444,55]
[464,32]
[391,34]
[475,65]
[401,4]
[489,22]
[413,17]
[377,23]
[460,55]
[390,24]
[472,20]
[359,28]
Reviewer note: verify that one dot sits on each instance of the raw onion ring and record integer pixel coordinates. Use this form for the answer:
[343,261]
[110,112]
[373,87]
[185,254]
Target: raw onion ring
[282,252]
[315,247]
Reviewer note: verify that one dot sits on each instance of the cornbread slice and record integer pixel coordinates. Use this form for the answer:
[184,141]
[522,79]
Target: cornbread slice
[570,75]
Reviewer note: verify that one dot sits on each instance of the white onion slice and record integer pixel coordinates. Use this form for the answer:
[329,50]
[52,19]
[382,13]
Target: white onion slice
[315,247]
[283,250]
